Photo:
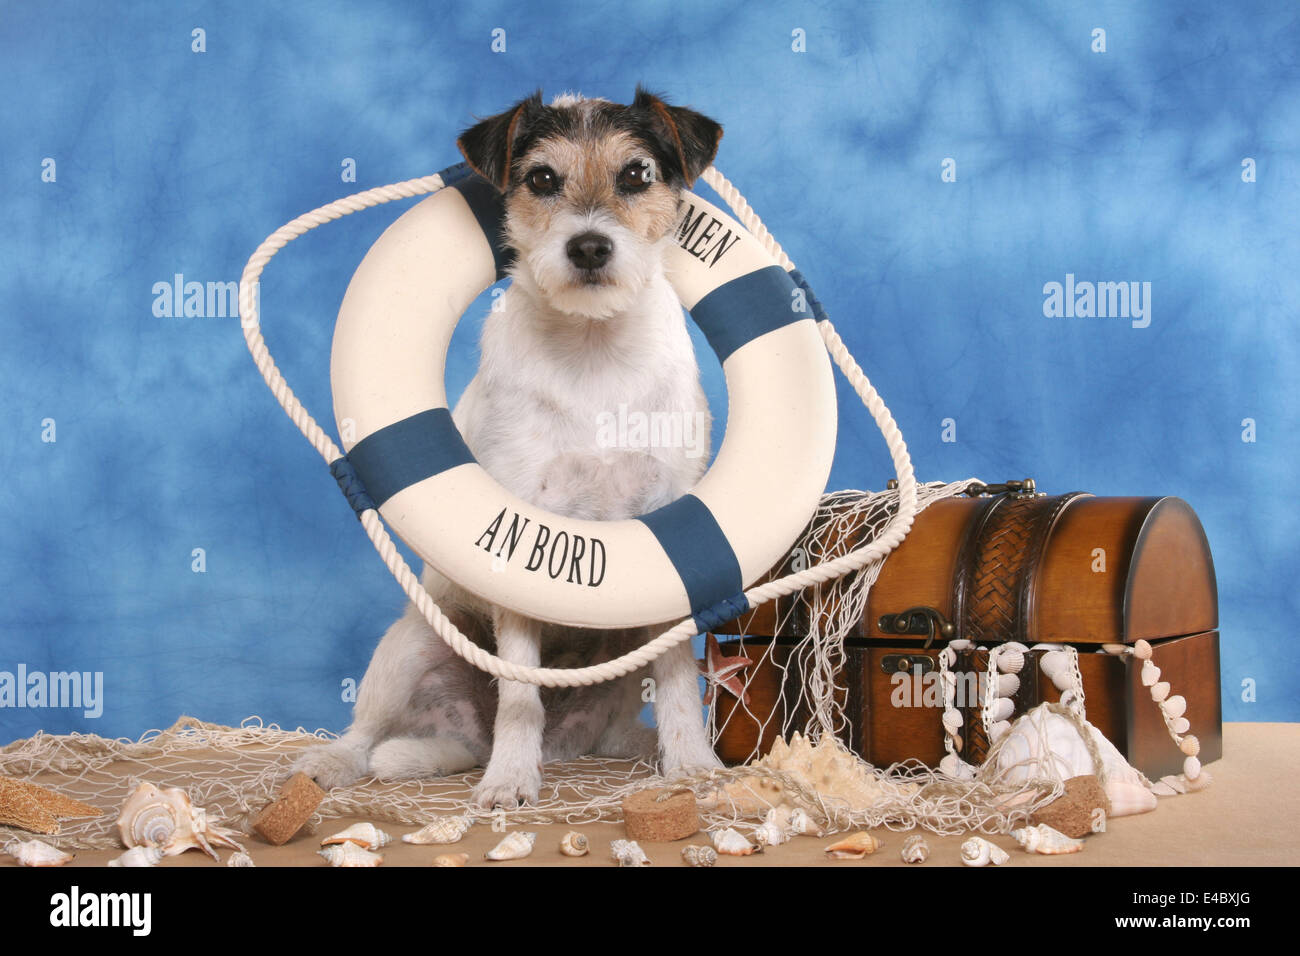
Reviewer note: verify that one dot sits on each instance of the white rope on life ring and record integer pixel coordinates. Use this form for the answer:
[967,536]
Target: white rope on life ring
[701,618]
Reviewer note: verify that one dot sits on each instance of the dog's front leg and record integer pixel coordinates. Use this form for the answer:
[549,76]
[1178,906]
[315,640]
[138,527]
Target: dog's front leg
[514,772]
[683,741]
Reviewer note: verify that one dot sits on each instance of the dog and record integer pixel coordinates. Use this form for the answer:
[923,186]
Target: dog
[588,325]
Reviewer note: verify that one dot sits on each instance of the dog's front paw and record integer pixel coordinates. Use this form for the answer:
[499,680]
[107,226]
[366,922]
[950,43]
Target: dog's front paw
[507,791]
[687,759]
[331,765]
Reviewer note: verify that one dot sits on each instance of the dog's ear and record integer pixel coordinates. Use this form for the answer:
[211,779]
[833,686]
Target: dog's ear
[489,145]
[690,138]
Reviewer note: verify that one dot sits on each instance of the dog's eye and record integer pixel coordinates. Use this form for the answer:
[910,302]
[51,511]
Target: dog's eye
[543,181]
[636,176]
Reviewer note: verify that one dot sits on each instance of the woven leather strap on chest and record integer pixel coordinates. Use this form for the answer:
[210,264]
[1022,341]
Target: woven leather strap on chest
[1000,559]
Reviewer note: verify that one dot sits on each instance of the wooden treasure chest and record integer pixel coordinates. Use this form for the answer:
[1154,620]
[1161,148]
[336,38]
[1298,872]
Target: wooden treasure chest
[1002,563]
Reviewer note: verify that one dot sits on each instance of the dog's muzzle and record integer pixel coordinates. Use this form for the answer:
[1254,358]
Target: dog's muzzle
[590,250]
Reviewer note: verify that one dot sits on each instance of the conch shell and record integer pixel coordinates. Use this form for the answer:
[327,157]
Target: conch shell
[349,854]
[770,834]
[978,851]
[240,858]
[733,843]
[915,849]
[36,853]
[628,853]
[516,846]
[1046,840]
[441,830]
[451,859]
[362,834]
[166,819]
[854,847]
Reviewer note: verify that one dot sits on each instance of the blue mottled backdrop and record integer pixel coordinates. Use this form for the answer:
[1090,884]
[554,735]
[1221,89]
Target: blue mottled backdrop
[931,167]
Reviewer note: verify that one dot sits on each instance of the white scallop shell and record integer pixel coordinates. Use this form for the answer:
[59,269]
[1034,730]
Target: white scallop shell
[515,846]
[732,842]
[1046,840]
[349,854]
[1001,709]
[628,853]
[978,851]
[1150,673]
[1190,746]
[440,831]
[769,834]
[915,849]
[1200,782]
[1142,650]
[1180,725]
[168,820]
[698,855]
[1175,706]
[997,729]
[1055,662]
[948,656]
[1191,768]
[1011,657]
[240,858]
[1160,690]
[139,856]
[961,644]
[450,859]
[952,720]
[574,844]
[1008,685]
[36,853]
[802,824]
[953,766]
[362,834]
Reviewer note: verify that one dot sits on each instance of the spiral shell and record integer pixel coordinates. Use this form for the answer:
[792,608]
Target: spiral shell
[515,846]
[915,849]
[36,853]
[978,851]
[628,853]
[440,831]
[168,820]
[854,847]
[139,856]
[1046,840]
[451,859]
[240,858]
[732,843]
[802,824]
[698,855]
[770,834]
[574,844]
[362,834]
[349,854]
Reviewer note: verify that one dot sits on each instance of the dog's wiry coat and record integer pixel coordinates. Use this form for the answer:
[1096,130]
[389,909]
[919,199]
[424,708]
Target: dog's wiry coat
[580,331]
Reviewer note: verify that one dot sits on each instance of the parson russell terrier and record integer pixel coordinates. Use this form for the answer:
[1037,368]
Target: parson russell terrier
[589,326]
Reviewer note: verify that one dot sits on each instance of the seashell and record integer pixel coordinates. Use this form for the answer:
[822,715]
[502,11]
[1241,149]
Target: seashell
[1008,685]
[450,859]
[953,766]
[952,720]
[948,657]
[441,830]
[915,849]
[1045,744]
[733,843]
[574,844]
[349,854]
[168,820]
[1072,697]
[802,824]
[1180,725]
[1064,681]
[36,853]
[698,855]
[1176,784]
[1160,690]
[628,853]
[1162,789]
[769,834]
[957,742]
[1190,746]
[978,851]
[1001,709]
[516,846]
[139,856]
[1142,650]
[997,729]
[854,847]
[1175,706]
[1046,840]
[1150,674]
[1114,648]
[362,834]
[240,858]
[1011,661]
[961,644]
[1200,782]
[1191,768]
[1053,663]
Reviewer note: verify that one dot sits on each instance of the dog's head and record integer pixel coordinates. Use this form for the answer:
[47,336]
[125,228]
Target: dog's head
[591,190]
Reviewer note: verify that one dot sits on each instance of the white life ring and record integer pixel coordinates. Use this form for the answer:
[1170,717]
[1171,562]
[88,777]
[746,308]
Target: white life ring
[693,557]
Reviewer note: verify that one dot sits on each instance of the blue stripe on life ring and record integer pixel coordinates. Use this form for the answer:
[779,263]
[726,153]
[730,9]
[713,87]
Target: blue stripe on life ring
[488,206]
[403,453]
[739,311]
[701,553]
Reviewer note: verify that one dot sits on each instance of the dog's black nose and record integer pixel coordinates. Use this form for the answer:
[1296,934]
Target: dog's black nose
[590,250]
